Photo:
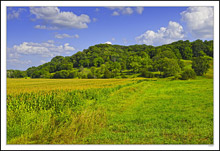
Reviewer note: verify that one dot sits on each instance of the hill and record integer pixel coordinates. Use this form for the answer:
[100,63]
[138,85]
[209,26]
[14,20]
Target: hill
[116,61]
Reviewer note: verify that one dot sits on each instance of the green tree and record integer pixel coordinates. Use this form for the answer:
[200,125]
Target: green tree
[61,74]
[201,64]
[169,67]
[188,74]
[198,48]
[57,59]
[90,75]
[72,74]
[107,74]
[187,53]
[135,66]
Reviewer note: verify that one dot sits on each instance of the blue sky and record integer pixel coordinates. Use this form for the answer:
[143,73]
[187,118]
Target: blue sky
[36,34]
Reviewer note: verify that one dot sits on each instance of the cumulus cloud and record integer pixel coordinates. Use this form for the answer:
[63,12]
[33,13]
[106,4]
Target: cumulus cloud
[108,42]
[56,19]
[67,47]
[46,49]
[200,21]
[125,10]
[173,32]
[61,36]
[12,13]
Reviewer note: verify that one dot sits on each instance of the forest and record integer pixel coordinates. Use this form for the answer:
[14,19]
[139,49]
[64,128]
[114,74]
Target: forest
[116,61]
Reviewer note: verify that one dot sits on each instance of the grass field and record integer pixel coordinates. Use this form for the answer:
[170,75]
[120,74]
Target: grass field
[35,85]
[113,111]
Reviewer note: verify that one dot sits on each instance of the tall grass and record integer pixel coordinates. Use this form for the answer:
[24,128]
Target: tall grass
[56,116]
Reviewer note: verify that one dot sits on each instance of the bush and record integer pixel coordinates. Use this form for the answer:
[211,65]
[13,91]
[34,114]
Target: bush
[188,74]
[72,74]
[107,74]
[123,75]
[61,74]
[147,74]
[90,75]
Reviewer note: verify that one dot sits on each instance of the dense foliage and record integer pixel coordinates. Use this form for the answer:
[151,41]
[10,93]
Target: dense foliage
[116,61]
[201,64]
[188,74]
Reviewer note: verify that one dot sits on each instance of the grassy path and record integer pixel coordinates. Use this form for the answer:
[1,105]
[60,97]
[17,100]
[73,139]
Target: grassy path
[161,112]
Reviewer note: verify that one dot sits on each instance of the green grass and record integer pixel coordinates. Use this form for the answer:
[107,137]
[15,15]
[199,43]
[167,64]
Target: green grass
[161,112]
[138,112]
[187,63]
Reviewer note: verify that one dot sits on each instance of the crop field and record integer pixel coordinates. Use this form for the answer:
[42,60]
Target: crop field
[110,111]
[34,85]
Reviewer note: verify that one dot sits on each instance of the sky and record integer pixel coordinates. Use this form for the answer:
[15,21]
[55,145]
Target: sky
[37,34]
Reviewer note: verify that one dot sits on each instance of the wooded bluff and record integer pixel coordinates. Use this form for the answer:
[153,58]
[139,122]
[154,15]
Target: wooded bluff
[117,61]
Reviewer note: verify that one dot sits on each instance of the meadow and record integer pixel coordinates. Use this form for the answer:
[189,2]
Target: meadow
[110,111]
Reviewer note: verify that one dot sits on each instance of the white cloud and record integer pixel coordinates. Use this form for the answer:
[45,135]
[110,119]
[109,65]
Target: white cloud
[94,19]
[18,62]
[50,41]
[14,13]
[172,33]
[125,10]
[115,13]
[113,39]
[200,21]
[46,49]
[56,19]
[40,27]
[97,9]
[108,42]
[43,61]
[76,36]
[11,54]
[140,10]
[67,47]
[46,27]
[61,36]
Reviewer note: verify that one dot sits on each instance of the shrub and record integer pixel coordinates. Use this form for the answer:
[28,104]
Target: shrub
[188,74]
[107,74]
[84,76]
[72,74]
[123,76]
[147,74]
[90,75]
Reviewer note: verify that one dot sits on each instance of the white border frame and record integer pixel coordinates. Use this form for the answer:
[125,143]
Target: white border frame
[4,4]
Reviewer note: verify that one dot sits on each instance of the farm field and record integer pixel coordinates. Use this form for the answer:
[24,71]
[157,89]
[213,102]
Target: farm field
[110,111]
[34,85]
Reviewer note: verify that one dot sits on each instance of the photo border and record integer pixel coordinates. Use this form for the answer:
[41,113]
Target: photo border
[4,4]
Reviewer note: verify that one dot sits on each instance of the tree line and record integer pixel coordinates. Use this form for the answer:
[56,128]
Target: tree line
[116,61]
